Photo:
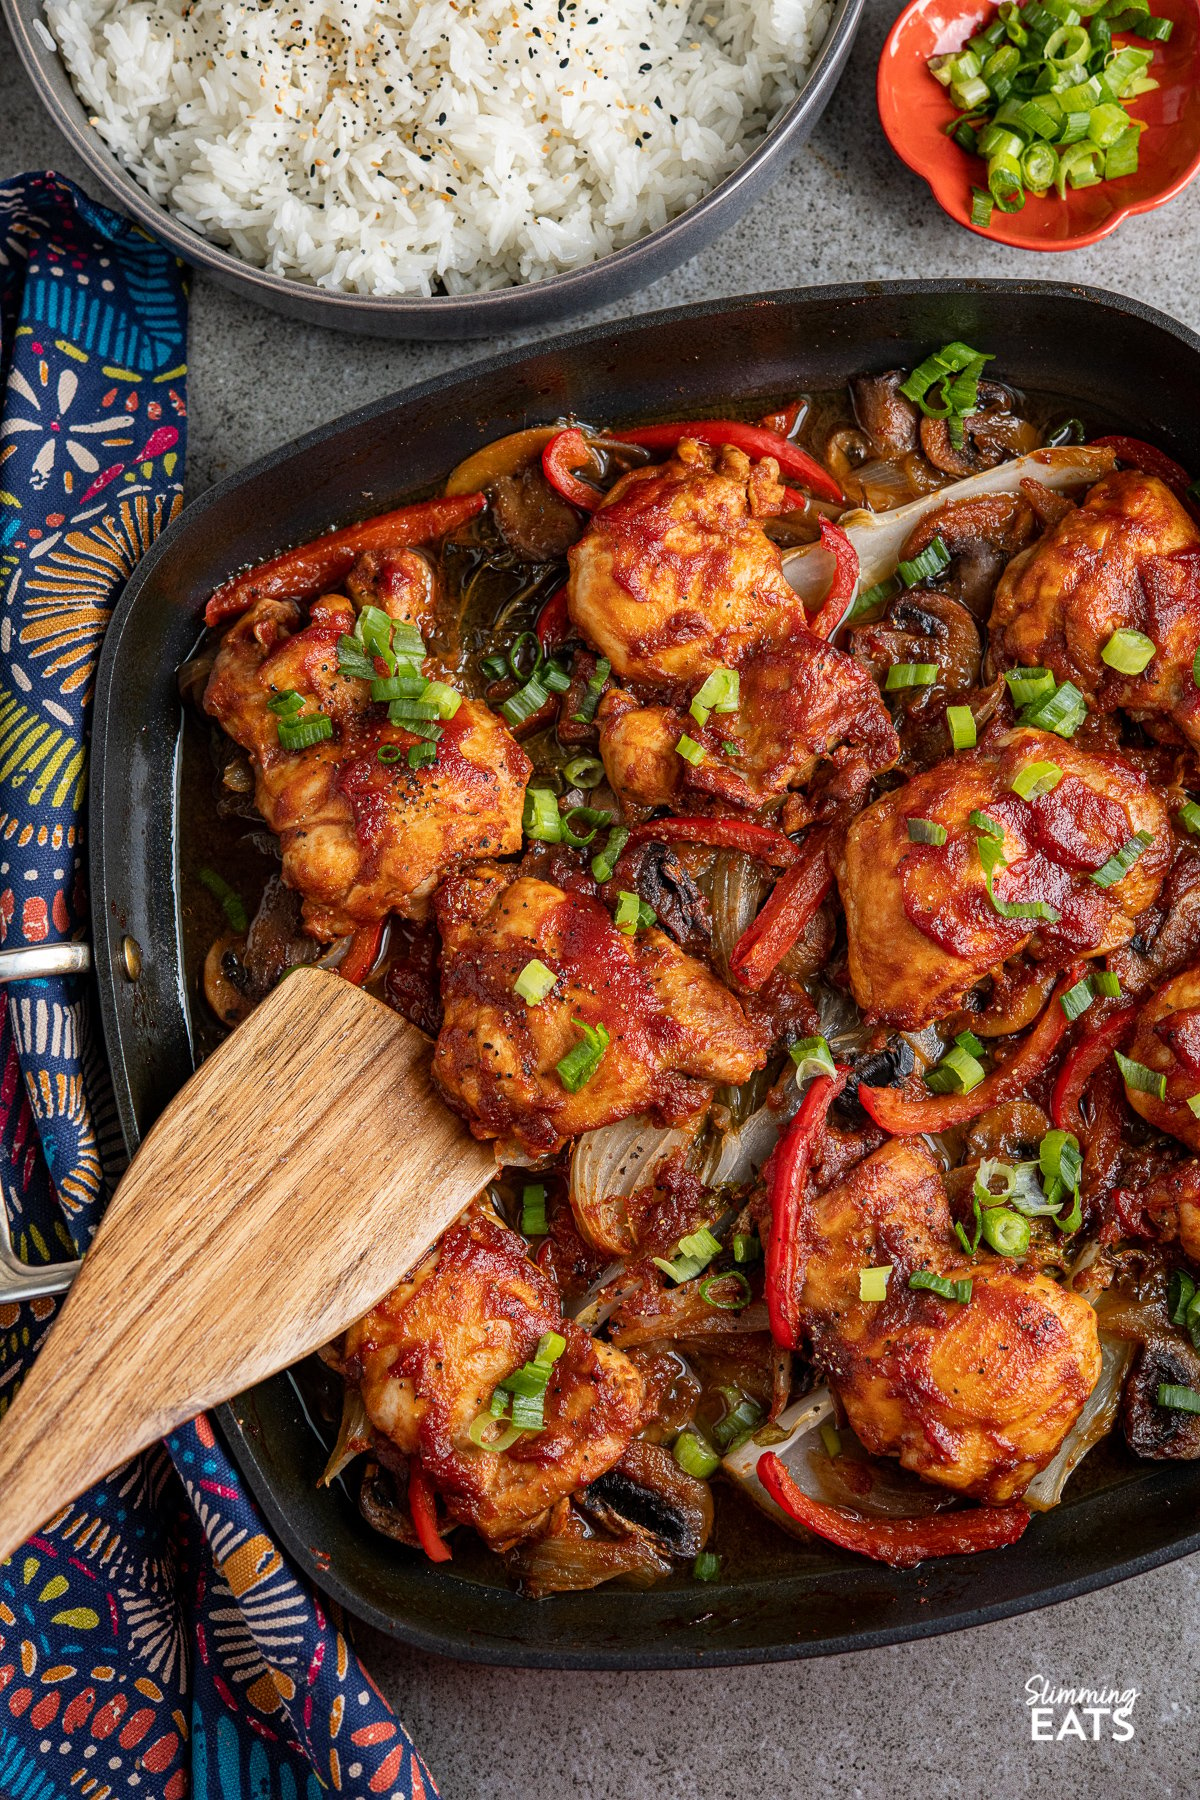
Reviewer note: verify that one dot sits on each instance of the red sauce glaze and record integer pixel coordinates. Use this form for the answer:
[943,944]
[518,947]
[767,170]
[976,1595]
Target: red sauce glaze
[1181,1032]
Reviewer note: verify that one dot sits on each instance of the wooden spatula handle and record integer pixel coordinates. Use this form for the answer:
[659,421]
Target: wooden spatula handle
[298,1175]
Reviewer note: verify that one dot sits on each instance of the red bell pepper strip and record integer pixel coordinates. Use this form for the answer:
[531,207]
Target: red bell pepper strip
[1150,461]
[1081,1063]
[565,453]
[792,905]
[785,420]
[756,442]
[314,568]
[786,1172]
[553,624]
[905,1117]
[361,953]
[844,584]
[763,841]
[901,1542]
[424,1516]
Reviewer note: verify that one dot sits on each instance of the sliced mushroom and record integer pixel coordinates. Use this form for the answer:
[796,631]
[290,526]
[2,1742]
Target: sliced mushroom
[648,1495]
[982,534]
[890,419]
[1161,1433]
[990,435]
[570,1555]
[225,980]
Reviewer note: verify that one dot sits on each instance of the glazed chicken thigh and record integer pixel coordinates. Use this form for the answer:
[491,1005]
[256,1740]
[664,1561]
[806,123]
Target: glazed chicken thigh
[921,924]
[360,837]
[428,1360]
[673,1029]
[1127,559]
[1167,1041]
[675,576]
[975,1396]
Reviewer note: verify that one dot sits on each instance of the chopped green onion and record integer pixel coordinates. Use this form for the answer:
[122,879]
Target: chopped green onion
[690,750]
[230,900]
[584,772]
[480,1429]
[1189,816]
[937,1284]
[739,1423]
[353,660]
[494,667]
[591,695]
[1128,652]
[525,702]
[1059,1158]
[1180,1295]
[299,734]
[1140,1078]
[391,753]
[746,1246]
[1006,1232]
[554,677]
[719,693]
[534,982]
[444,699]
[966,1040]
[741,1295]
[1179,1399]
[605,861]
[632,913]
[1119,864]
[404,711]
[421,755]
[1106,983]
[707,1566]
[873,1283]
[406,640]
[957,1073]
[695,1456]
[875,596]
[398,687]
[984,822]
[580,1063]
[930,562]
[906,675]
[533,1212]
[831,1439]
[1036,778]
[926,831]
[1077,999]
[1193,1106]
[812,1056]
[1029,685]
[541,819]
[981,203]
[589,816]
[1062,712]
[961,721]
[285,704]
[517,666]
[693,1254]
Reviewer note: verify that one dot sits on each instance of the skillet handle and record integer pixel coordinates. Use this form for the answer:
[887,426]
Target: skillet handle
[18,1280]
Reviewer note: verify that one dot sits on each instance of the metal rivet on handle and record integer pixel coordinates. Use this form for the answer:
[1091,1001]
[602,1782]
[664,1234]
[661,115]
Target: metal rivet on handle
[131,956]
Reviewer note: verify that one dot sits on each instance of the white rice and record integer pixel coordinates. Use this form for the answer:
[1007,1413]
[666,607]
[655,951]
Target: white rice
[432,146]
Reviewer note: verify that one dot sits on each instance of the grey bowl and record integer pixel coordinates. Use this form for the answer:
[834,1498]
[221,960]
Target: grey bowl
[471,315]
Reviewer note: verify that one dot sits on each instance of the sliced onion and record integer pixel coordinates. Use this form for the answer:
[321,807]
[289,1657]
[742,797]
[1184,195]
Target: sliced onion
[870,1485]
[739,883]
[594,1308]
[567,1558]
[878,538]
[353,1438]
[608,1166]
[683,1312]
[885,484]
[740,1154]
[1094,1422]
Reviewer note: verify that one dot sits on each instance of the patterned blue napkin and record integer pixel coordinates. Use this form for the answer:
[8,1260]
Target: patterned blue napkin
[154,1640]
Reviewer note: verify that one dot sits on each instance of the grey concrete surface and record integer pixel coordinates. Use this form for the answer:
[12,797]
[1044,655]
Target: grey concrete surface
[945,1717]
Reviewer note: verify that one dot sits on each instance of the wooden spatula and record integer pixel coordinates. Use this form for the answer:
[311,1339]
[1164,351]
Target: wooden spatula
[303,1169]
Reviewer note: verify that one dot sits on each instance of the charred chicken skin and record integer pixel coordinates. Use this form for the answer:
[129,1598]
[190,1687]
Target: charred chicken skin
[1167,1041]
[428,1360]
[921,924]
[976,1397]
[673,1029]
[361,837]
[1127,559]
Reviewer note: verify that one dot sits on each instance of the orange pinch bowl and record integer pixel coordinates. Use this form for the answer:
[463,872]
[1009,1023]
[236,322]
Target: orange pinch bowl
[915,110]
